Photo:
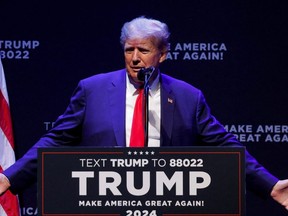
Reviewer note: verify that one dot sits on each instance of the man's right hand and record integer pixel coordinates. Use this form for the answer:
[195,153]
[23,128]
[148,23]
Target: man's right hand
[4,184]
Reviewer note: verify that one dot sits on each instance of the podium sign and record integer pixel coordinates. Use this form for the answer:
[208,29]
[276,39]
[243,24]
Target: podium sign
[162,181]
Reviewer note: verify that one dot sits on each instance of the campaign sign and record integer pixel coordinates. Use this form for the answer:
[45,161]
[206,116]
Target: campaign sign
[152,181]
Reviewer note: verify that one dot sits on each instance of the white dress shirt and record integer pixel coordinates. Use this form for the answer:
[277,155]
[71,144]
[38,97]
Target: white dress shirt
[154,111]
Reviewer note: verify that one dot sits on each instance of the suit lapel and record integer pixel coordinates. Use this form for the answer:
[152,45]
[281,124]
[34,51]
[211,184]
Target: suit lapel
[117,91]
[167,109]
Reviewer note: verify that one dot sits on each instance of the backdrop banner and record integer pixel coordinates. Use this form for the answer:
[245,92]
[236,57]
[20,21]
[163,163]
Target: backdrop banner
[234,51]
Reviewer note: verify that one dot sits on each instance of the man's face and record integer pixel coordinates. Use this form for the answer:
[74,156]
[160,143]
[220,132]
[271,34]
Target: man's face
[141,53]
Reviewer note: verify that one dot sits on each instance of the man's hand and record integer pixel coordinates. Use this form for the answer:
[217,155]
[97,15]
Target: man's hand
[280,192]
[4,184]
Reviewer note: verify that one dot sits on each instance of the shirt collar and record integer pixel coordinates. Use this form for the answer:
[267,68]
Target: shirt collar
[132,87]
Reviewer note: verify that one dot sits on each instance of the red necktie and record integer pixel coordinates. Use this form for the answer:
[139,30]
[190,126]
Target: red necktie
[137,131]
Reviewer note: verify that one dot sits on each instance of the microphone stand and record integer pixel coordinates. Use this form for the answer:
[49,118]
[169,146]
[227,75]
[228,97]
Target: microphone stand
[146,95]
[145,74]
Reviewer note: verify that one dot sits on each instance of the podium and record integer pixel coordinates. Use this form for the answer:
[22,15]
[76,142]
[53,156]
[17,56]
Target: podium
[166,181]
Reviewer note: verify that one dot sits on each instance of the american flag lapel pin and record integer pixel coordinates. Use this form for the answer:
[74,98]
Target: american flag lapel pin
[170,100]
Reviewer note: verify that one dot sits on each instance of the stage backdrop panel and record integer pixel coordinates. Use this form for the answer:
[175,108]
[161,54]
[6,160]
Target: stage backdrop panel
[232,50]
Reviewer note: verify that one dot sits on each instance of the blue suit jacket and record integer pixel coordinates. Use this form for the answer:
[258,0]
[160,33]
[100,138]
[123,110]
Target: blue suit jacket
[96,117]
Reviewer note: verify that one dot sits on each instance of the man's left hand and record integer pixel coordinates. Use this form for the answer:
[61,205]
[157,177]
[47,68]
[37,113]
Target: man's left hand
[280,192]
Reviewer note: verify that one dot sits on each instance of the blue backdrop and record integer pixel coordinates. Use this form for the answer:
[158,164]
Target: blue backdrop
[235,51]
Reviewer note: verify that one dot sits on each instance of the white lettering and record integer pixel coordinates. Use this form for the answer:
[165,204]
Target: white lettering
[82,175]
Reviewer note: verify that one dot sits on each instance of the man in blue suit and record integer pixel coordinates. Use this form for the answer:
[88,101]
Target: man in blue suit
[101,110]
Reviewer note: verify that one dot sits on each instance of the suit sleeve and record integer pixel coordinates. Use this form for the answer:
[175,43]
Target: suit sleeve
[258,178]
[66,132]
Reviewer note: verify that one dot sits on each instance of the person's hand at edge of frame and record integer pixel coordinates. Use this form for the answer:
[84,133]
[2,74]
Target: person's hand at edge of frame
[280,192]
[4,184]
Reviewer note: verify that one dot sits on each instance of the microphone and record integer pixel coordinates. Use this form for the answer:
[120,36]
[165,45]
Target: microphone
[144,72]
